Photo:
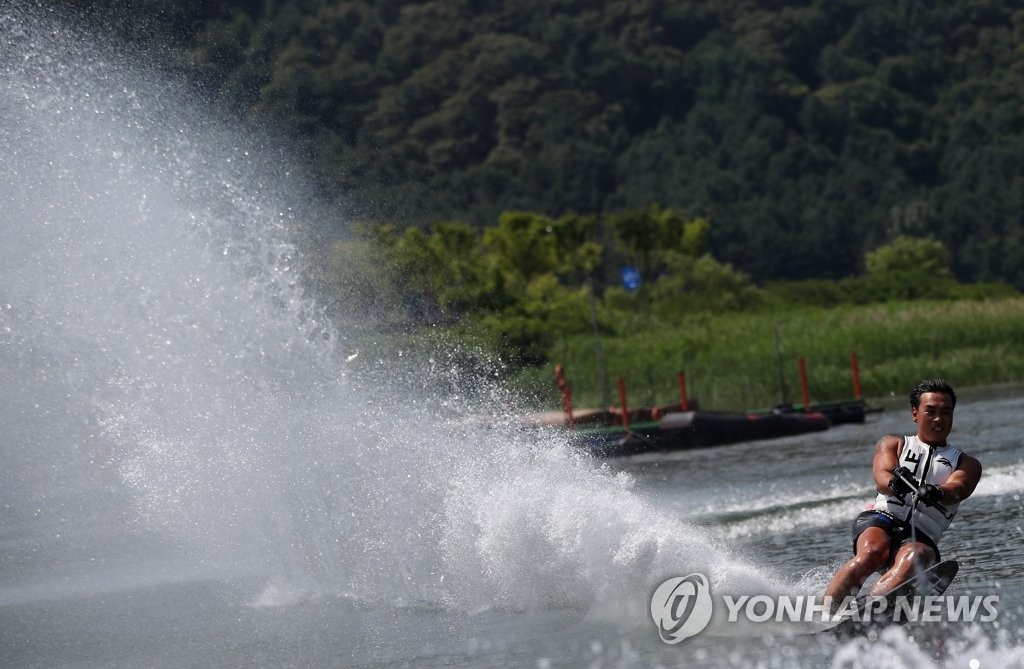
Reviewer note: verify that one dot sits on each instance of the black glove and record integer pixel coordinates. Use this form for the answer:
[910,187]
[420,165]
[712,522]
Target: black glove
[930,494]
[902,482]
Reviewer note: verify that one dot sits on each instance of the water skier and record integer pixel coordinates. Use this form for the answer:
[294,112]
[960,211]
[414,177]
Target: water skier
[921,480]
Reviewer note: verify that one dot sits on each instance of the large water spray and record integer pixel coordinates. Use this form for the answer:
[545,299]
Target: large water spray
[173,394]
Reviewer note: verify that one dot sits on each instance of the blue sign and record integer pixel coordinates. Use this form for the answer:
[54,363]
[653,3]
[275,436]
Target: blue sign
[630,278]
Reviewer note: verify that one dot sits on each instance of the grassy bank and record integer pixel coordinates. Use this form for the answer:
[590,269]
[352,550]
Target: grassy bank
[732,361]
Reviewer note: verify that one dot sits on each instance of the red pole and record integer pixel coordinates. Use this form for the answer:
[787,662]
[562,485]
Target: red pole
[856,375]
[625,408]
[683,402]
[803,383]
[566,394]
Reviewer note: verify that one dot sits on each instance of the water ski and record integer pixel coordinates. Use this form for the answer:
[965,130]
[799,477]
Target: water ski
[900,605]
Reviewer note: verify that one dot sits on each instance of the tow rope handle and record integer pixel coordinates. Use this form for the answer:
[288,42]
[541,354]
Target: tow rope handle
[913,485]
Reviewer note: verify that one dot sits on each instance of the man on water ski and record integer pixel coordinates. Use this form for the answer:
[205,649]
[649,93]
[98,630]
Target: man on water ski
[921,480]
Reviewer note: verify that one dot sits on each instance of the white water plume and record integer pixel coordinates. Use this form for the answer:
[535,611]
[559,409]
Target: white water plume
[168,369]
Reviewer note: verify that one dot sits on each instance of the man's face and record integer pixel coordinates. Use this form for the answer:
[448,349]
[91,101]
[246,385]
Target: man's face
[934,417]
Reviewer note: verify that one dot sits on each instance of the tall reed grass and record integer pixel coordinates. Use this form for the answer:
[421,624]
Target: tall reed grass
[739,361]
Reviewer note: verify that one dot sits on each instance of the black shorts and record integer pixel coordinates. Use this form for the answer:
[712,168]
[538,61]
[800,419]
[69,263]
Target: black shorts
[899,532]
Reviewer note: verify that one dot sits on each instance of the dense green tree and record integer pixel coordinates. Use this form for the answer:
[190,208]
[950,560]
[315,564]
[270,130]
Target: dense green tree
[647,237]
[806,132]
[927,256]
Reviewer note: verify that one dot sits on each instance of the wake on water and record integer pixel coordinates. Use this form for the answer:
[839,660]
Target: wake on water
[160,350]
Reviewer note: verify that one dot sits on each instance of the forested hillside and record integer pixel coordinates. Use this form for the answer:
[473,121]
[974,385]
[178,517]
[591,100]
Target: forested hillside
[806,132]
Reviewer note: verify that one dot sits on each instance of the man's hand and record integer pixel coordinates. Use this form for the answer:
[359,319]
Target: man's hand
[930,494]
[902,482]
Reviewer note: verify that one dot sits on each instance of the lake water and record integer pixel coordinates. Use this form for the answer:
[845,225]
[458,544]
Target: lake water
[554,565]
[199,470]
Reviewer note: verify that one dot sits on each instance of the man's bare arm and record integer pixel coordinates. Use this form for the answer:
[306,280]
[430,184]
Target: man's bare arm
[962,482]
[887,456]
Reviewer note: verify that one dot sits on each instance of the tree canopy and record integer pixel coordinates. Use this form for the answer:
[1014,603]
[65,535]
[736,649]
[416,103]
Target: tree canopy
[807,132]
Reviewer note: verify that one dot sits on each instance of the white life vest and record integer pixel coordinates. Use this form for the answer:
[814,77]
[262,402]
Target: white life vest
[927,464]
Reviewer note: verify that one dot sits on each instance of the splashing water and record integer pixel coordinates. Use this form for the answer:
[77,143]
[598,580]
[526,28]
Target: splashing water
[154,326]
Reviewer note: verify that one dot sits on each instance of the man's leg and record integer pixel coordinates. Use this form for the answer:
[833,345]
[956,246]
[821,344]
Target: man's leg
[871,554]
[910,557]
